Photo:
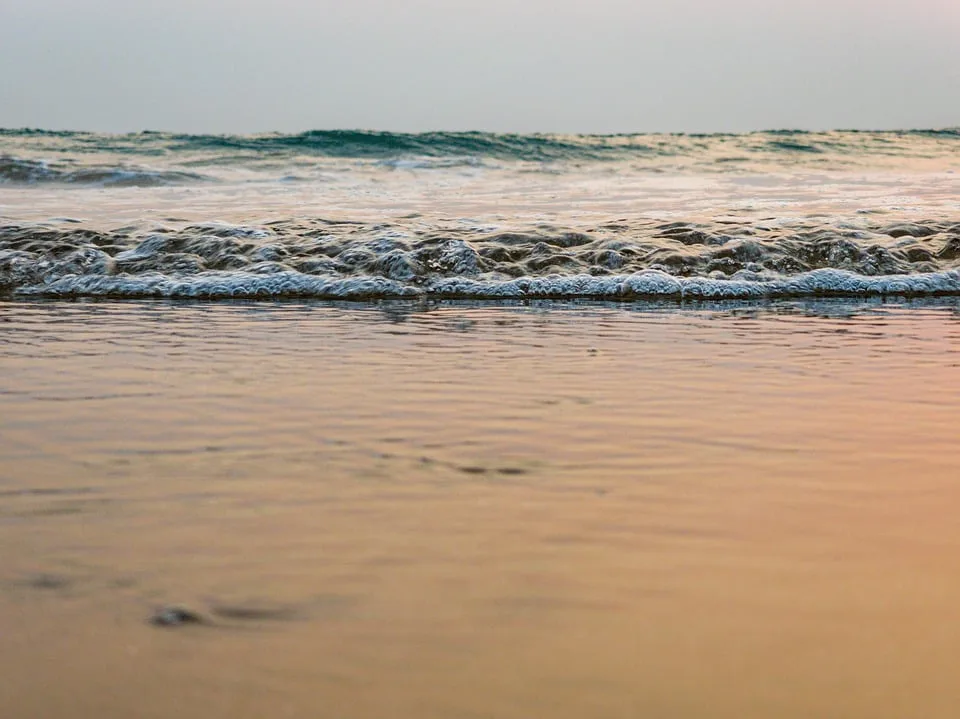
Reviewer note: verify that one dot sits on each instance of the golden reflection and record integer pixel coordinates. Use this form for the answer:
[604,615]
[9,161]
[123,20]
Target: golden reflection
[497,512]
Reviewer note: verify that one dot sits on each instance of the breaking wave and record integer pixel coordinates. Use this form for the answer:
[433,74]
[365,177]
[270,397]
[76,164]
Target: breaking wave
[352,260]
[651,284]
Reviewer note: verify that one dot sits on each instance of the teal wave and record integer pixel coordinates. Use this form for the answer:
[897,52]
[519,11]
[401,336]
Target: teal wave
[377,145]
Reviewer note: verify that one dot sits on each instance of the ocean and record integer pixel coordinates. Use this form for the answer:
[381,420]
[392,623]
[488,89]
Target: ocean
[370,215]
[462,425]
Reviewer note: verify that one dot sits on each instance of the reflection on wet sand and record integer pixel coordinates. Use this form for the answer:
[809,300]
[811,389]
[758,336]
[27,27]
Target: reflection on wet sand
[473,511]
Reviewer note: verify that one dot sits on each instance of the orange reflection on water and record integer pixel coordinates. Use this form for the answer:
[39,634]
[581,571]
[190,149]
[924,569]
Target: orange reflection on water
[479,511]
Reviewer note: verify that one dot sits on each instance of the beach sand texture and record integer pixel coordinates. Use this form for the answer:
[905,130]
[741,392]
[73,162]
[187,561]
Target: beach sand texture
[466,510]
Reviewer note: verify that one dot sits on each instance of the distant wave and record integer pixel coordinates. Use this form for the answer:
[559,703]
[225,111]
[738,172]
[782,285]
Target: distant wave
[20,171]
[374,145]
[318,258]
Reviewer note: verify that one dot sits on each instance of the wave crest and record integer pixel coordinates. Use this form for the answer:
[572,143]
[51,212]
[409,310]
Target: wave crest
[319,258]
[721,152]
[651,284]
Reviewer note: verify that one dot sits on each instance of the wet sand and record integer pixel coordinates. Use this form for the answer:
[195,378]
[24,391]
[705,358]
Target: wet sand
[564,510]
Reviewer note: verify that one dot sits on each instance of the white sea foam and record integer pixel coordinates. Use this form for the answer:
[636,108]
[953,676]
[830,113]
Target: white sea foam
[650,284]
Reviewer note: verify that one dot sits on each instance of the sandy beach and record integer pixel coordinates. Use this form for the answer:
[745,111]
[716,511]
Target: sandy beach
[455,510]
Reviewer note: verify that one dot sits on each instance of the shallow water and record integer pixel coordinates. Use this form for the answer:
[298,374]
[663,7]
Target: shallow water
[448,510]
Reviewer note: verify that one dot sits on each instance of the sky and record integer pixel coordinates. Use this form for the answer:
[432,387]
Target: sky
[598,66]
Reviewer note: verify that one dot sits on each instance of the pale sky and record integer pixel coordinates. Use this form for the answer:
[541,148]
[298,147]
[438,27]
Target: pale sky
[535,66]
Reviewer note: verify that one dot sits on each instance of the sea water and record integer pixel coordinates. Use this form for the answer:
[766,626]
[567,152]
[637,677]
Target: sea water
[360,215]
[609,427]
